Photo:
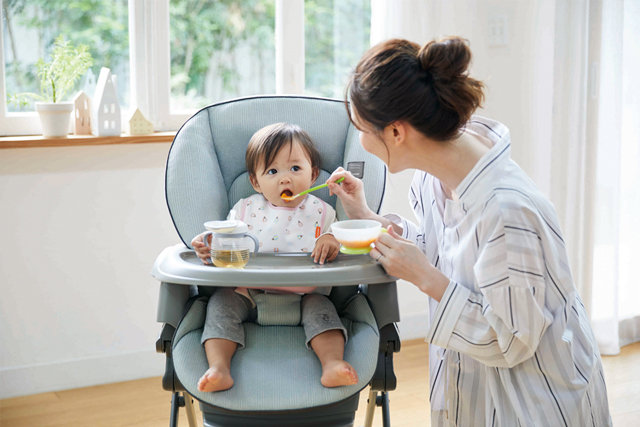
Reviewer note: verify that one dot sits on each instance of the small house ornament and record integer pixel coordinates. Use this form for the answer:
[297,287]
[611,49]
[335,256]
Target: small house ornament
[106,117]
[88,82]
[139,125]
[82,114]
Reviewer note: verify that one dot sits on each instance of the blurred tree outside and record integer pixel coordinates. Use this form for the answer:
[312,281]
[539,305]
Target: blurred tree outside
[336,36]
[221,49]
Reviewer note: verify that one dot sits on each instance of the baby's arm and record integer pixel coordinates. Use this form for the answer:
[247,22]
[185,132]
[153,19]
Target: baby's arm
[326,249]
[202,249]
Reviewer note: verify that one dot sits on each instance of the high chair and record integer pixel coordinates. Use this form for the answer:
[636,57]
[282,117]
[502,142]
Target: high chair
[276,378]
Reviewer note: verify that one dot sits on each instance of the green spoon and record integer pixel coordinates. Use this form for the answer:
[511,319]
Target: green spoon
[302,193]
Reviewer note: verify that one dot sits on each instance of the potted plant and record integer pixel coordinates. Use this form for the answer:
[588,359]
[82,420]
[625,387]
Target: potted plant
[57,77]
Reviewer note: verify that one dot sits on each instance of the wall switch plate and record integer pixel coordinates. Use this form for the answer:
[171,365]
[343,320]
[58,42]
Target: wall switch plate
[498,30]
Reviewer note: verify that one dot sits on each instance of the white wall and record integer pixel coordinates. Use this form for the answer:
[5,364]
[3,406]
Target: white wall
[80,229]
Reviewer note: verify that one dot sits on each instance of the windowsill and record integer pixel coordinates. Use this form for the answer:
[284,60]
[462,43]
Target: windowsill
[36,141]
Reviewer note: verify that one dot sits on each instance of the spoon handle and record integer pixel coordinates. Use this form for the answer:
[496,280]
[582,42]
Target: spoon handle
[317,187]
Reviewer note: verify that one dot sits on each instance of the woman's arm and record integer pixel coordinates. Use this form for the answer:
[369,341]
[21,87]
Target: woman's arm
[401,258]
[503,323]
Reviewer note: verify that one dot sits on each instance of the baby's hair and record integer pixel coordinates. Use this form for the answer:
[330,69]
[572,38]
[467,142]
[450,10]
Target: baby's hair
[428,87]
[269,140]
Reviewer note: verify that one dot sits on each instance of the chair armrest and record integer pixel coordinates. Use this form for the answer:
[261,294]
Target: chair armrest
[172,301]
[383,299]
[163,344]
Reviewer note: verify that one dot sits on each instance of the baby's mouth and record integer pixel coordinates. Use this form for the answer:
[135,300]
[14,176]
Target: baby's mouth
[286,193]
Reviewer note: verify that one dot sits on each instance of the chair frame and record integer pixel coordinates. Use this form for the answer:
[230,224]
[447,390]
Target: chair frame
[178,291]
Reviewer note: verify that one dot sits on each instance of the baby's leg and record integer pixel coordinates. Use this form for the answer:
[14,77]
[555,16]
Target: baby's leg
[222,333]
[219,353]
[322,324]
[329,347]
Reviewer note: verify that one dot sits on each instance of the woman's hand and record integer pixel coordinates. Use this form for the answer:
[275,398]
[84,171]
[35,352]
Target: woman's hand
[203,250]
[401,258]
[326,249]
[351,194]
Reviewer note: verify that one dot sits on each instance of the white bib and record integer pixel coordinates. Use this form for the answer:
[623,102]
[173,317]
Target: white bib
[283,229]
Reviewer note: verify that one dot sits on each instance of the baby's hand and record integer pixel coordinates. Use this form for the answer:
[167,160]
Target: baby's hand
[202,250]
[326,249]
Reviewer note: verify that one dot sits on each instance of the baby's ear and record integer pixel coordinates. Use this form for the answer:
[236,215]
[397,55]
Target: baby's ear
[254,183]
[314,175]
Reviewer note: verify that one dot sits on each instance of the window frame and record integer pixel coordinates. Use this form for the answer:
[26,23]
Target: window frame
[150,65]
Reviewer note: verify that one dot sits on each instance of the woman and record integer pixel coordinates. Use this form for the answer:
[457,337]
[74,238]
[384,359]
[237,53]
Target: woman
[510,341]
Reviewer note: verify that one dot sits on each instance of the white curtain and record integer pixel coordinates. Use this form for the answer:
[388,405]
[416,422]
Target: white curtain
[596,147]
[581,58]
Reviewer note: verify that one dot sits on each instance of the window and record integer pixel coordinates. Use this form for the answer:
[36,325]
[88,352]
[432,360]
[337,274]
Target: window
[29,28]
[220,50]
[172,57]
[336,36]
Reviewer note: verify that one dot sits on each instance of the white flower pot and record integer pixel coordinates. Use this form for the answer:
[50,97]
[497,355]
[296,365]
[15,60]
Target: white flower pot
[54,118]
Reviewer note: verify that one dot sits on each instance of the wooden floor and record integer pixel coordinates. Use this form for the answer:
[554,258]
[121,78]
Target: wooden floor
[144,403]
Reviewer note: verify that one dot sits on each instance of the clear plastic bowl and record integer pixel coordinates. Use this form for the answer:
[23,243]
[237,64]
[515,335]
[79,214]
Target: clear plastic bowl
[356,235]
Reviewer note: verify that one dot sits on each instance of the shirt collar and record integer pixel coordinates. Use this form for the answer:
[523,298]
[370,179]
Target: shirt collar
[497,133]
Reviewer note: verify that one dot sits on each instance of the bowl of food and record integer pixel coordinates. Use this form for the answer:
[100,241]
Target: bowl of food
[356,235]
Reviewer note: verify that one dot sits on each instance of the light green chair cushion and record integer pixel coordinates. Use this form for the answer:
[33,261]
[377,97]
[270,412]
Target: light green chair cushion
[275,371]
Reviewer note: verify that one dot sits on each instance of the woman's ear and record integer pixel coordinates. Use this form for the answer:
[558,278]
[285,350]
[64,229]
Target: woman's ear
[398,130]
[254,183]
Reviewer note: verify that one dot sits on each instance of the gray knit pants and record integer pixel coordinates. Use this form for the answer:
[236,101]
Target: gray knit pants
[227,309]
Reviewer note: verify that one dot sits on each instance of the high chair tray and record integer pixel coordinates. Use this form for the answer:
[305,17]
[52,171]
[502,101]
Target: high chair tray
[179,264]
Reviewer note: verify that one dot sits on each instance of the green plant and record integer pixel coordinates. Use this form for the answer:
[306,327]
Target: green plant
[59,75]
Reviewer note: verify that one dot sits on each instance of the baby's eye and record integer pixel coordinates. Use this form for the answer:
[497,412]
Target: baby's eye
[295,168]
[272,171]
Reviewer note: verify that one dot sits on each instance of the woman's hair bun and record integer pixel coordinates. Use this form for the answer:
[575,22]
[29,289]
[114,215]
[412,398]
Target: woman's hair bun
[445,59]
[429,87]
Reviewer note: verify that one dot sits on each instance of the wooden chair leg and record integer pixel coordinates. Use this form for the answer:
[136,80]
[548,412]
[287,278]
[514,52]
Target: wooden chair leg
[191,410]
[371,407]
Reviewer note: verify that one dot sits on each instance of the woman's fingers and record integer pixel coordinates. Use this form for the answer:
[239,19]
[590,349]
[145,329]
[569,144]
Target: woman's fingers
[344,186]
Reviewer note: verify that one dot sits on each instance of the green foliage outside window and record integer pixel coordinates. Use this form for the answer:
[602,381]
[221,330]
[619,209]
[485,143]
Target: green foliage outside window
[101,25]
[206,34]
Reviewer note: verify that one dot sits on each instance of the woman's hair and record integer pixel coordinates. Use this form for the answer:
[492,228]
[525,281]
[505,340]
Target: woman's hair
[428,87]
[268,141]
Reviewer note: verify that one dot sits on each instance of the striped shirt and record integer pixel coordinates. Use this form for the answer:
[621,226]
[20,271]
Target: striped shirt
[510,341]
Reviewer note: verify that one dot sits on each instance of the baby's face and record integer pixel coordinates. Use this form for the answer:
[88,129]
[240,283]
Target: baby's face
[290,172]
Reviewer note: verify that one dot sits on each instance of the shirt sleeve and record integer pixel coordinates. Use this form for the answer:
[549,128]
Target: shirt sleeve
[501,325]
[423,235]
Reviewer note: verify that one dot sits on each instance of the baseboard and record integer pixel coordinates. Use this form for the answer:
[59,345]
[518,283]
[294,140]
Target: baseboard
[413,326]
[32,379]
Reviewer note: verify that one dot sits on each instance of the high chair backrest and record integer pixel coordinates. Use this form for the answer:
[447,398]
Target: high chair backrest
[206,173]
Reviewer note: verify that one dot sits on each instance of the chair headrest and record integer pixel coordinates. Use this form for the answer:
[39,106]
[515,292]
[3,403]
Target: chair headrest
[206,174]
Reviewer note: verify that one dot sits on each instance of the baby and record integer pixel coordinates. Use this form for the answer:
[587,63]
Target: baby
[281,160]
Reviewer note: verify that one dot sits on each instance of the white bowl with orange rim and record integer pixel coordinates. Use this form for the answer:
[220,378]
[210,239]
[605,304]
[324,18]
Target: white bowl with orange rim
[356,235]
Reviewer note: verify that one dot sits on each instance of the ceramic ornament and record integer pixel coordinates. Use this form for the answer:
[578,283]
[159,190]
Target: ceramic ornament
[82,114]
[89,82]
[106,115]
[139,125]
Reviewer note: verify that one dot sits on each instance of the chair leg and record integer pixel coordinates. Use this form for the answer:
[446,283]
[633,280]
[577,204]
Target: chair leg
[384,402]
[175,407]
[371,407]
[191,410]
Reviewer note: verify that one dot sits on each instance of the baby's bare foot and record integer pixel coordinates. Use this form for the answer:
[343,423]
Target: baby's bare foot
[215,380]
[338,373]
